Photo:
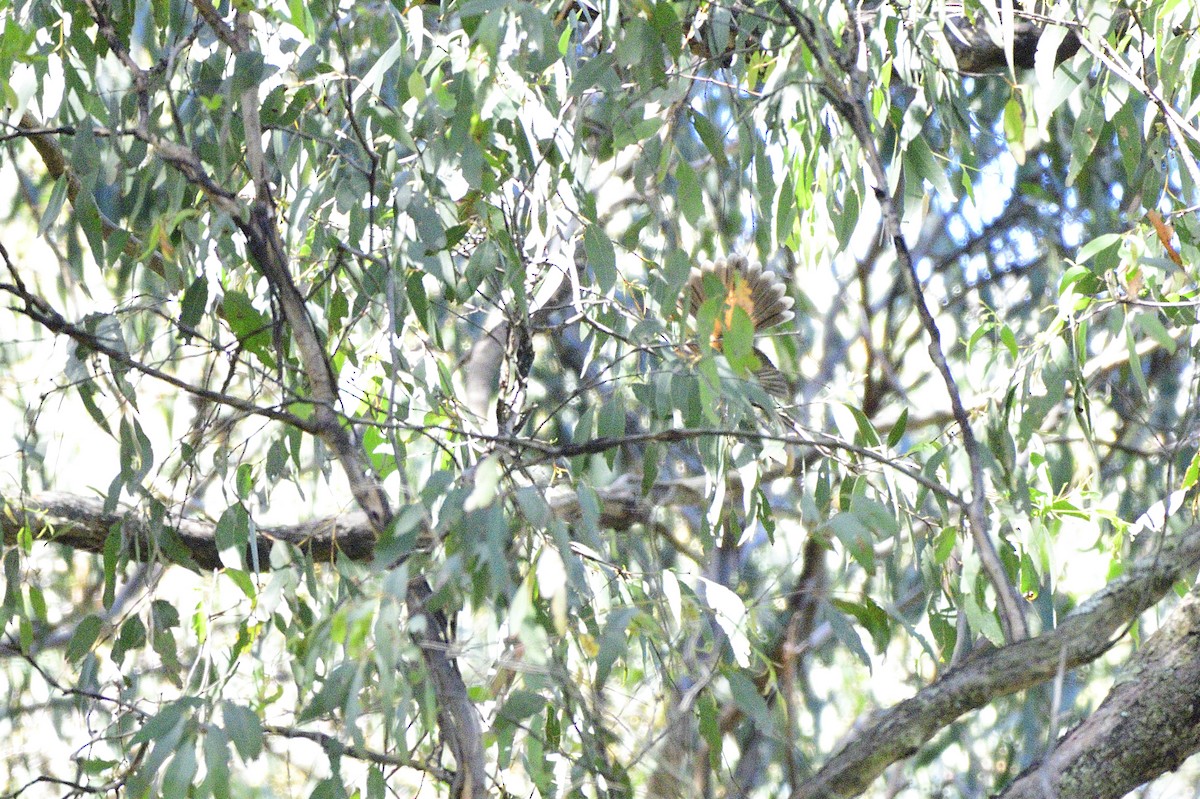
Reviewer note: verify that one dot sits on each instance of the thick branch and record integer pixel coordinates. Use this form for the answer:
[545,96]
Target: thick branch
[458,719]
[1080,638]
[457,716]
[1139,731]
[977,51]
[82,523]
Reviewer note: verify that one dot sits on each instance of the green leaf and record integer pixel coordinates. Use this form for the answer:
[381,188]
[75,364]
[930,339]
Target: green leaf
[164,645]
[1135,360]
[1014,127]
[192,305]
[37,602]
[178,776]
[919,159]
[113,543]
[867,435]
[875,516]
[87,396]
[476,8]
[168,722]
[845,219]
[596,69]
[216,761]
[610,423]
[301,17]
[329,788]
[252,328]
[376,783]
[896,434]
[1078,274]
[747,698]
[872,617]
[786,211]
[233,530]
[1152,325]
[1088,127]
[488,474]
[54,205]
[1192,474]
[1095,246]
[87,215]
[131,637]
[688,193]
[1128,130]
[944,544]
[244,729]
[164,746]
[613,642]
[712,138]
[339,309]
[1009,340]
[729,612]
[249,70]
[849,637]
[95,766]
[277,461]
[652,456]
[667,23]
[982,621]
[85,635]
[332,695]
[164,614]
[245,481]
[520,706]
[855,537]
[601,257]
[373,80]
[137,455]
[710,727]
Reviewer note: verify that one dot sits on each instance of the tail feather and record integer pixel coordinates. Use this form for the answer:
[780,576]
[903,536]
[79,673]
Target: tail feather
[761,294]
[773,381]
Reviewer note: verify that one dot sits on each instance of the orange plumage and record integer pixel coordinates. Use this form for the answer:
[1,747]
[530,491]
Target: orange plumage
[761,294]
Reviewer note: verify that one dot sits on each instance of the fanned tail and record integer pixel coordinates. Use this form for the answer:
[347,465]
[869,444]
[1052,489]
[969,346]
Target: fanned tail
[761,294]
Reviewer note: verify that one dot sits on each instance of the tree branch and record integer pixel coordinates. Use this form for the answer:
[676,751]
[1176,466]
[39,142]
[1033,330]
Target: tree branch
[1146,726]
[848,97]
[40,312]
[56,166]
[1080,638]
[83,523]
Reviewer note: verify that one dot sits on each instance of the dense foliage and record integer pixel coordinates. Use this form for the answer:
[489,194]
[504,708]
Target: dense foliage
[366,441]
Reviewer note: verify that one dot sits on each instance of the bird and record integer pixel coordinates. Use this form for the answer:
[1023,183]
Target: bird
[758,292]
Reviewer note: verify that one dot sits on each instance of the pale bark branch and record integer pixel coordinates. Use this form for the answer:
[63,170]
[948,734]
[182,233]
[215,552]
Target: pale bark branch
[82,523]
[1146,726]
[1083,636]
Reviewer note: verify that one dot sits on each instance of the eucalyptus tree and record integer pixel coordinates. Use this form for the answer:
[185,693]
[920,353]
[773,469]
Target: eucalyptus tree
[381,427]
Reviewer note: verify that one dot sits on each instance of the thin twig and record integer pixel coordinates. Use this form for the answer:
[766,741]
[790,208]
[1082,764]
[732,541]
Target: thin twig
[851,106]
